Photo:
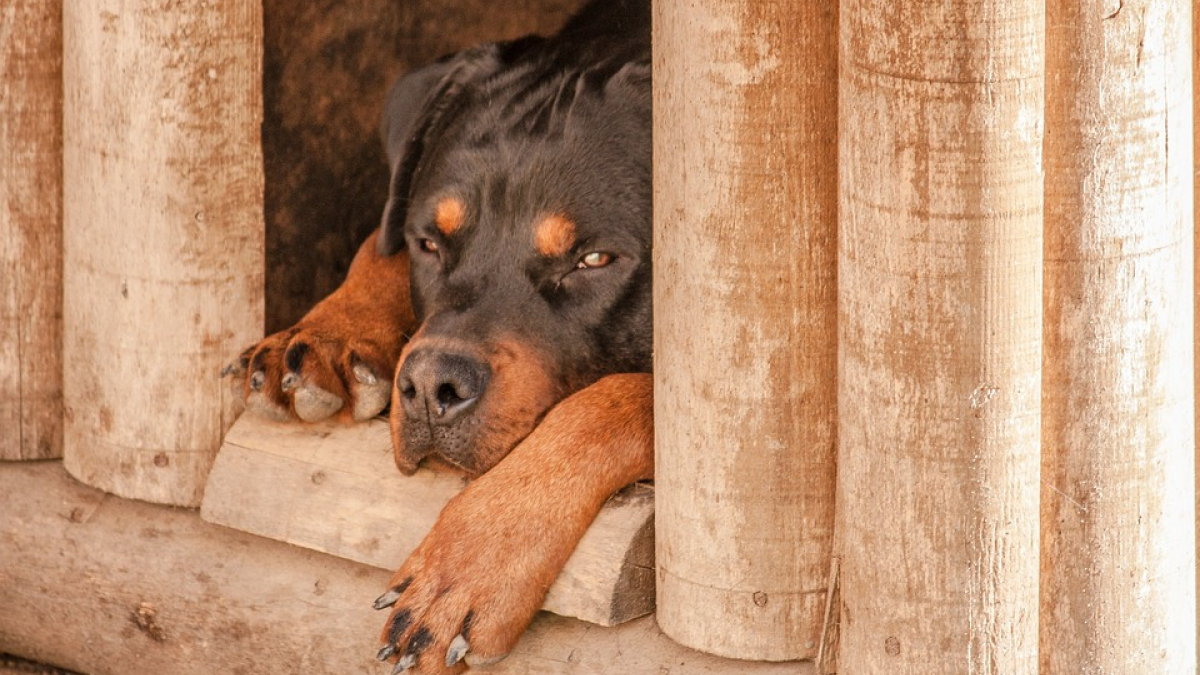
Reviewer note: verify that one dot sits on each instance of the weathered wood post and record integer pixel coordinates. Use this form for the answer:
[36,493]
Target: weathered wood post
[30,229]
[939,289]
[745,148]
[163,235]
[1118,548]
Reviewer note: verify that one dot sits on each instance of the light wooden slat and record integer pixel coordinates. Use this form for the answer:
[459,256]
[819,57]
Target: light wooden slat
[334,488]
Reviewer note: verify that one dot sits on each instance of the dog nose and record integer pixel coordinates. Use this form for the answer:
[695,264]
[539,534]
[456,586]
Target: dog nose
[440,387]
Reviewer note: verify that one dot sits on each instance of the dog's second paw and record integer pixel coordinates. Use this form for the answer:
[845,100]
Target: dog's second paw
[311,373]
[340,358]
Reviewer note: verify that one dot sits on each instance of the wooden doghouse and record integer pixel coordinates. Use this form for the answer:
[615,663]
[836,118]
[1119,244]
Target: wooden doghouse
[925,373]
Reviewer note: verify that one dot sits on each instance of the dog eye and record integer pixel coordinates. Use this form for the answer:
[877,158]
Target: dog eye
[427,245]
[594,259]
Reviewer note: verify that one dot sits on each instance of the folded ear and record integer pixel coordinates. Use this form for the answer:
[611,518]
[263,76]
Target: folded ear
[418,107]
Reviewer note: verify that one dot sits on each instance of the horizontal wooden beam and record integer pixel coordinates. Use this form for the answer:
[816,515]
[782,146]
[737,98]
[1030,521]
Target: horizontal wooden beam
[334,488]
[108,586]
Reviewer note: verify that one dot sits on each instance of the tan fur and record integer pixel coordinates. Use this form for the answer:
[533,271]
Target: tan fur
[449,215]
[554,236]
[556,480]
[370,315]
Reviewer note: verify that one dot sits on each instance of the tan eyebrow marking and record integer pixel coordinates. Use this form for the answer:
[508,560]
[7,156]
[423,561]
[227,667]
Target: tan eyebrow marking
[449,215]
[554,235]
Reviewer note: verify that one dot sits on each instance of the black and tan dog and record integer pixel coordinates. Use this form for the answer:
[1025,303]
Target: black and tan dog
[503,309]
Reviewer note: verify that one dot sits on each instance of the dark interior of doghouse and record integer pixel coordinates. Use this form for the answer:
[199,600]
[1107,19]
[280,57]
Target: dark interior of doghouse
[326,69]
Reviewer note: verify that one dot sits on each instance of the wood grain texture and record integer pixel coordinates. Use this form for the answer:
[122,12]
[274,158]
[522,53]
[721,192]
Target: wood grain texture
[163,246]
[940,248]
[745,195]
[30,229]
[334,488]
[108,586]
[1118,463]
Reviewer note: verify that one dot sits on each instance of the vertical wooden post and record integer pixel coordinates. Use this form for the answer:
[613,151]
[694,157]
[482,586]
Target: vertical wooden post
[30,229]
[1118,548]
[745,333]
[163,235]
[940,248]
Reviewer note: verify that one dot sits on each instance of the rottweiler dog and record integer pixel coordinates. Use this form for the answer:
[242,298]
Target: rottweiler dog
[503,311]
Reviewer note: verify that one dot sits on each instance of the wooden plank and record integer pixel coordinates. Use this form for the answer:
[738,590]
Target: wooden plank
[108,586]
[334,488]
[163,235]
[745,321]
[940,321]
[30,229]
[1118,457]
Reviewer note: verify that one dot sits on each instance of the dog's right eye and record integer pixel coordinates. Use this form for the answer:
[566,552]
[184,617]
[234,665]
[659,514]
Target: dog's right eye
[427,245]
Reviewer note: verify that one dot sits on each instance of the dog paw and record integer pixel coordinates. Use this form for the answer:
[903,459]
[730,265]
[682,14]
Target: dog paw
[339,359]
[468,592]
[312,374]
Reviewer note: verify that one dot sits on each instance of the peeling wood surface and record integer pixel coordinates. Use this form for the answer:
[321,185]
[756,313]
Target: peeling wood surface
[940,321]
[30,229]
[745,161]
[163,236]
[334,488]
[87,581]
[1118,453]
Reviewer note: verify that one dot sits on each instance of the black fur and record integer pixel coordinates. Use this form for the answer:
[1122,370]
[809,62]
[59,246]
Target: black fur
[518,131]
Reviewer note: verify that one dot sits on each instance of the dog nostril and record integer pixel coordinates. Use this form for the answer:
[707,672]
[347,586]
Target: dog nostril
[447,395]
[409,392]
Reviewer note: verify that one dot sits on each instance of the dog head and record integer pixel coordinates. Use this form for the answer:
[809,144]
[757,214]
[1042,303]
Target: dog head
[521,188]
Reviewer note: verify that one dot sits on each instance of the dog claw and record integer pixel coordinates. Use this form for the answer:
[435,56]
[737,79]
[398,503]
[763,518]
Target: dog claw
[237,368]
[290,382]
[314,404]
[407,661]
[387,652]
[387,599]
[364,374]
[458,650]
[257,380]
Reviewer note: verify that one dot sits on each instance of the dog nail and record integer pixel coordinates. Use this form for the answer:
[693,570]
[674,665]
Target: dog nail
[456,652]
[388,651]
[235,368]
[290,382]
[387,599]
[407,661]
[370,400]
[364,374]
[314,404]
[257,380]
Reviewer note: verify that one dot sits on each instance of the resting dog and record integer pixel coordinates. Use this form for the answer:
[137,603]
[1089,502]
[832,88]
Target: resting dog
[503,310]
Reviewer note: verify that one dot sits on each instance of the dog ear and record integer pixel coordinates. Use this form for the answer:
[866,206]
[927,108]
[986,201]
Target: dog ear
[418,107]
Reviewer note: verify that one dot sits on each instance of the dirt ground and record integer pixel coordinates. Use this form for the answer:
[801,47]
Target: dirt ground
[11,665]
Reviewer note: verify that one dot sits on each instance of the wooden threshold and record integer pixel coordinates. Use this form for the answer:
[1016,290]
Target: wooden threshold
[334,488]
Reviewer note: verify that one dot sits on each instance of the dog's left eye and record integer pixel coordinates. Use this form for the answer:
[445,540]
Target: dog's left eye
[428,245]
[594,259]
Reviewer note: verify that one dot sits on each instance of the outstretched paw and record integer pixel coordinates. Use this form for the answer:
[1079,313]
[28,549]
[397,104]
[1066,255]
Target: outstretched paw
[468,592]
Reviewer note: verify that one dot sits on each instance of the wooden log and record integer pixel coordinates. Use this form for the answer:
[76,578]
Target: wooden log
[1118,514]
[940,335]
[108,586]
[163,236]
[334,488]
[745,322]
[30,229]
